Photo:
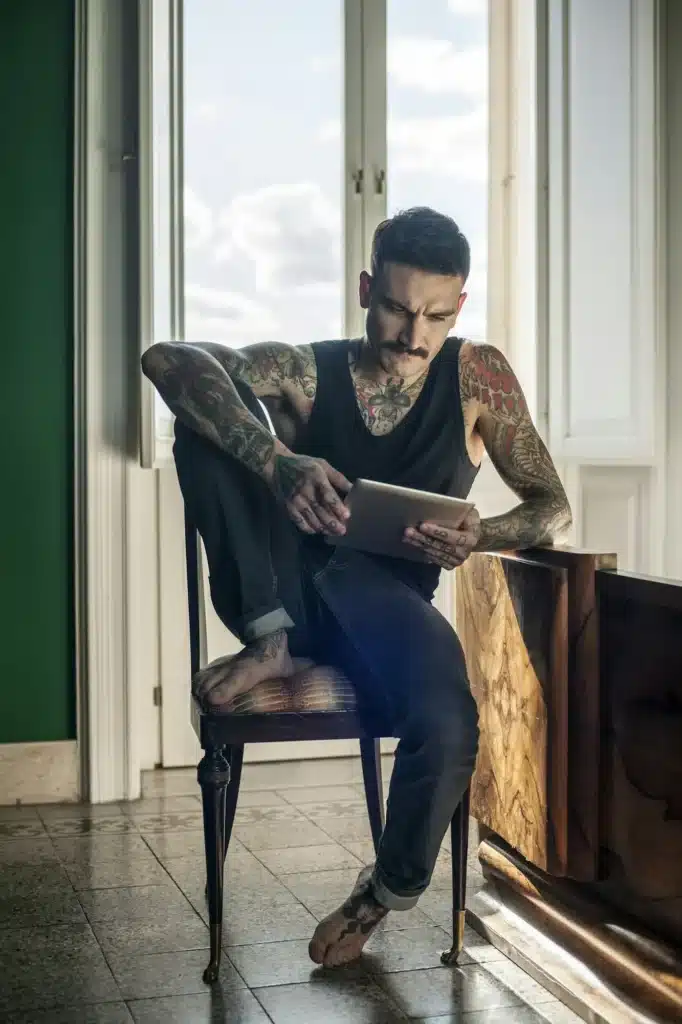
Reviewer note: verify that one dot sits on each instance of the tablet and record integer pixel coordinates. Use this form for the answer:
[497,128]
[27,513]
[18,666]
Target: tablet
[380,514]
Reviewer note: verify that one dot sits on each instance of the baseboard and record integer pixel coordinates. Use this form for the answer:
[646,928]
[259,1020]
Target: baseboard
[39,773]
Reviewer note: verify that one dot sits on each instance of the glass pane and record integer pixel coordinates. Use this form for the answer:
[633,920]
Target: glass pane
[262,105]
[437,98]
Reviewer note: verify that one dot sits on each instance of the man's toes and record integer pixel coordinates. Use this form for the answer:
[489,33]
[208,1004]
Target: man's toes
[338,955]
[317,948]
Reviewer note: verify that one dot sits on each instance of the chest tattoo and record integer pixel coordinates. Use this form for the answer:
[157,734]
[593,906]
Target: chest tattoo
[383,406]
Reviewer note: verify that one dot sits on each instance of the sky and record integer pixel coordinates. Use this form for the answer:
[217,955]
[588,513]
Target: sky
[263,96]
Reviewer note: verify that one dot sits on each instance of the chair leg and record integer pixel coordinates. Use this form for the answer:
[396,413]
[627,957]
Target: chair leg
[235,756]
[460,847]
[214,776]
[370,755]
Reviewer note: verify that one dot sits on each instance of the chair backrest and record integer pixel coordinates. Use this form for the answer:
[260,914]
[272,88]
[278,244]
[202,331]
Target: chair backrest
[197,642]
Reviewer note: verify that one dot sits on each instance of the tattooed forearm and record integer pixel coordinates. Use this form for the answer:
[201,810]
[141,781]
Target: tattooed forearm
[200,393]
[518,453]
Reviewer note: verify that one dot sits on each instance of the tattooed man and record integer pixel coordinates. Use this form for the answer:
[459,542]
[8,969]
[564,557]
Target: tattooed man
[407,404]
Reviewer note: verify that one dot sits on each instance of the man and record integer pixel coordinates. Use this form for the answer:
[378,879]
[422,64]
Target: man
[406,404]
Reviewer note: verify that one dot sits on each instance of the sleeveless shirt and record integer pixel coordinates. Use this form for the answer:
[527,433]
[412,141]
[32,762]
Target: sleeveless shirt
[426,450]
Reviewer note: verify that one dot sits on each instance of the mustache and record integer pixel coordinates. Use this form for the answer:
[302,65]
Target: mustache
[396,346]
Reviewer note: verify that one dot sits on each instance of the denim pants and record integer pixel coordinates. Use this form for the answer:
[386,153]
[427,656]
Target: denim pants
[341,607]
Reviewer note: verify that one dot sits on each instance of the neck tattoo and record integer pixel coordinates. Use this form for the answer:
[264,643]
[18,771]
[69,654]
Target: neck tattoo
[382,405]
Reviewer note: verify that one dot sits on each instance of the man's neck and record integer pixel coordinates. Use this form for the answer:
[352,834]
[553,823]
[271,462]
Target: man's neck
[364,361]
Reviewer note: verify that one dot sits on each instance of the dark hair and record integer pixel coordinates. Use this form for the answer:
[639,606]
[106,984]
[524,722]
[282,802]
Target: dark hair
[424,239]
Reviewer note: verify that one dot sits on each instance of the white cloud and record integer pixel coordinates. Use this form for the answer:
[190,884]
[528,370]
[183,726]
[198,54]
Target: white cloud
[322,63]
[469,8]
[456,145]
[198,220]
[211,112]
[330,131]
[212,314]
[435,66]
[291,233]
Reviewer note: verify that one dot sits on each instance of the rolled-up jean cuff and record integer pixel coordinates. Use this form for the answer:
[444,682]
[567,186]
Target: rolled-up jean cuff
[390,899]
[271,622]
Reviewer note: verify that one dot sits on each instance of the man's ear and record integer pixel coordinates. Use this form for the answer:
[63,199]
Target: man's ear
[460,302]
[365,289]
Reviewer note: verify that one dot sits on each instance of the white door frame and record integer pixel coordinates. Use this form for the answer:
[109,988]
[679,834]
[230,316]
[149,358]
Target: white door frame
[114,500]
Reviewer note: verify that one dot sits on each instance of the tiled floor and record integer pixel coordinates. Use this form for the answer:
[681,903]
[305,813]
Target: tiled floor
[103,920]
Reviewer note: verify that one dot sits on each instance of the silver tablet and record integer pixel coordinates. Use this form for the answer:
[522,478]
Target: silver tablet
[380,514]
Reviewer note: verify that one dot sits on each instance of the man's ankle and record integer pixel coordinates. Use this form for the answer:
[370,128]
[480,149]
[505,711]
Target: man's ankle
[270,646]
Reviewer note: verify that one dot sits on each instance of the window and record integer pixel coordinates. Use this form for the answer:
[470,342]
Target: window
[437,124]
[263,99]
[279,137]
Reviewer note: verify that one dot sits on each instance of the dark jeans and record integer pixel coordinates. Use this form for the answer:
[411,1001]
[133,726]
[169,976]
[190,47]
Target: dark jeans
[342,608]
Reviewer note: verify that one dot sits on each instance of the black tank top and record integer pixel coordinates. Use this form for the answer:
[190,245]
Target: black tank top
[426,450]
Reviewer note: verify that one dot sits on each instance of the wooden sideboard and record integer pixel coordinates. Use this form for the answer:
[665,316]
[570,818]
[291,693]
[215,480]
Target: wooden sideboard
[577,672]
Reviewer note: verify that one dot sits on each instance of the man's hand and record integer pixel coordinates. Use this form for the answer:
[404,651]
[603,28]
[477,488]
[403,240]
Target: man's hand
[310,490]
[444,545]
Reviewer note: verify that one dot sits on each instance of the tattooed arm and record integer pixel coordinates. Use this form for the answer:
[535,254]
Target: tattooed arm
[488,383]
[196,383]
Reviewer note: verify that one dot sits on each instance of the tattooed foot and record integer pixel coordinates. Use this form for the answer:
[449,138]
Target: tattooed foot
[226,678]
[340,938]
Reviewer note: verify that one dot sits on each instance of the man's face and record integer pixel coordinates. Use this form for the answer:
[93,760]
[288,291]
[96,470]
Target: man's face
[409,315]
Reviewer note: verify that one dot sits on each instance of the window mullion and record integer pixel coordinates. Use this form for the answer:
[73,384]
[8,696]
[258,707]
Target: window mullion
[374,121]
[354,168]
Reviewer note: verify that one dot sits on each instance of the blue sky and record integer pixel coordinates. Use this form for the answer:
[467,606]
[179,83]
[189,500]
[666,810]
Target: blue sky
[263,114]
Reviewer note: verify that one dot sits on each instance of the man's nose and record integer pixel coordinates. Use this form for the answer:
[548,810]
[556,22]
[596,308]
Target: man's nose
[409,336]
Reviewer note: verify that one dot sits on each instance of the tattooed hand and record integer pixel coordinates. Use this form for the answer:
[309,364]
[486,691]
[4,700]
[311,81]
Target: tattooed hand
[310,490]
[444,545]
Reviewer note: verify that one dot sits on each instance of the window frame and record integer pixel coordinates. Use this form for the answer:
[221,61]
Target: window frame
[513,183]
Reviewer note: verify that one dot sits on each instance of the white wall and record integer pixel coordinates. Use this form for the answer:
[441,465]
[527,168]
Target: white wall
[606,337]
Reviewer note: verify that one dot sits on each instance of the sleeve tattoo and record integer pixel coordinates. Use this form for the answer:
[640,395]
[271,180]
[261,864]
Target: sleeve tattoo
[517,452]
[196,383]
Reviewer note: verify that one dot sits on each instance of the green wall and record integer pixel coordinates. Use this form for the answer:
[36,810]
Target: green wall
[37,683]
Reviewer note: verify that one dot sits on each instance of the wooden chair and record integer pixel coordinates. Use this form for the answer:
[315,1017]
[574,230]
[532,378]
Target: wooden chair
[321,707]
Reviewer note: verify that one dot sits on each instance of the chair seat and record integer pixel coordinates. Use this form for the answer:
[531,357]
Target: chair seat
[318,688]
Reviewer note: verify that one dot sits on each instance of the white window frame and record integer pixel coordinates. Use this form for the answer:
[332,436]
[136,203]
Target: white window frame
[365,170]
[161,170]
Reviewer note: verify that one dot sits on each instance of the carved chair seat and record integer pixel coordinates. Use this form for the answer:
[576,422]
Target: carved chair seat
[313,688]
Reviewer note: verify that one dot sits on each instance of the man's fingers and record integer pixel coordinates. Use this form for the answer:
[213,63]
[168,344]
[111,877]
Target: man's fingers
[329,499]
[302,504]
[444,533]
[330,523]
[338,480]
[298,519]
[427,543]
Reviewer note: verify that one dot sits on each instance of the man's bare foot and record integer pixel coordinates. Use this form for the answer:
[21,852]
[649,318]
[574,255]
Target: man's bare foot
[340,938]
[224,679]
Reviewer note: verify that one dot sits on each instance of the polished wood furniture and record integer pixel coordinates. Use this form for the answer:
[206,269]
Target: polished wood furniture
[577,672]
